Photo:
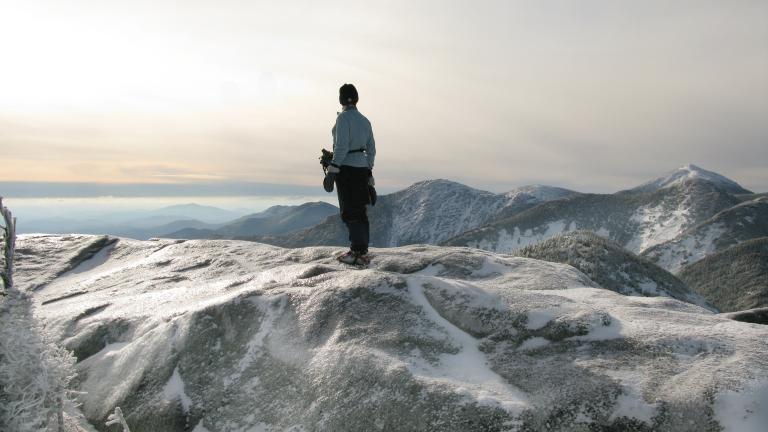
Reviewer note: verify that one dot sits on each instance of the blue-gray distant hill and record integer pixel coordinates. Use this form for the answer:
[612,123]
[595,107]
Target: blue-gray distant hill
[276,220]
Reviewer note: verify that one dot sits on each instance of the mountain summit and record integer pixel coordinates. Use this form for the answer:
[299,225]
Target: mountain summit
[691,172]
[222,335]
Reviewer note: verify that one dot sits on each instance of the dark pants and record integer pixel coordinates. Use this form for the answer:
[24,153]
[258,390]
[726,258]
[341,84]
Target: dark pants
[352,189]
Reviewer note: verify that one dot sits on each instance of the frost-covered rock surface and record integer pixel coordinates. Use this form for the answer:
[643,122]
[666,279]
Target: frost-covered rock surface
[238,336]
[742,222]
[611,266]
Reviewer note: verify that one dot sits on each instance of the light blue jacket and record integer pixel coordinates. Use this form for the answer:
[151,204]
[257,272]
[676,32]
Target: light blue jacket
[353,131]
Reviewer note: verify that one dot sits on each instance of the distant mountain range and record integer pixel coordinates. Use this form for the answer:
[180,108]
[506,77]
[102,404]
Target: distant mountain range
[637,220]
[427,212]
[275,220]
[191,221]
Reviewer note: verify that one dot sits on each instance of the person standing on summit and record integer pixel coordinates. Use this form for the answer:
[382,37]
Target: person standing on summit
[354,152]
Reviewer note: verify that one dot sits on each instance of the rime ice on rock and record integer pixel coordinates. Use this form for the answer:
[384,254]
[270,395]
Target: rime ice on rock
[229,335]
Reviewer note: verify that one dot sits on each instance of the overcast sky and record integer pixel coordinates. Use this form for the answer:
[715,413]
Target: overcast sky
[591,95]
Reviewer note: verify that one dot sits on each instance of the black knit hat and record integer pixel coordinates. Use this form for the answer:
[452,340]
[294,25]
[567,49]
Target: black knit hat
[348,95]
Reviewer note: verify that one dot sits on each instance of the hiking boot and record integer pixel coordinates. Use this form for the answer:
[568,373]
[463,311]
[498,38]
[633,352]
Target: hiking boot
[354,258]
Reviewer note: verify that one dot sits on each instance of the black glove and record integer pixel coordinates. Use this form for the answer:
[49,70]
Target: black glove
[328,182]
[372,195]
[330,178]
[371,189]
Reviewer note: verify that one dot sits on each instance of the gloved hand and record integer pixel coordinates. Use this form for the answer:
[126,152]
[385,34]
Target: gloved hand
[330,178]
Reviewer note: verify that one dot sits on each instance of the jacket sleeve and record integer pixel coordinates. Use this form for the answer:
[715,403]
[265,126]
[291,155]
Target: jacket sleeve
[341,141]
[370,150]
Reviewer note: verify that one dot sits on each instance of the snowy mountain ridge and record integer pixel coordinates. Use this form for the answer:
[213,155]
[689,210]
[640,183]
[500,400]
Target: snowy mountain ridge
[687,173]
[637,221]
[427,212]
[434,210]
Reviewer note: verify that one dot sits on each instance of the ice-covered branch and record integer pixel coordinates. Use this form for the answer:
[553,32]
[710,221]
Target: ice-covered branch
[117,418]
[9,237]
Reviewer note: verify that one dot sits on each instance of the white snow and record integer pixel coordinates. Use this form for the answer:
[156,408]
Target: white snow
[686,173]
[468,369]
[507,243]
[96,260]
[689,247]
[256,343]
[631,404]
[539,318]
[533,343]
[658,225]
[745,410]
[200,428]
[174,389]
[391,327]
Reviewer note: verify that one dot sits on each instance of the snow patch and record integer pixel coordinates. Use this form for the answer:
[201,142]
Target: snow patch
[658,225]
[174,389]
[466,370]
[632,405]
[538,318]
[745,410]
[507,243]
[200,428]
[533,343]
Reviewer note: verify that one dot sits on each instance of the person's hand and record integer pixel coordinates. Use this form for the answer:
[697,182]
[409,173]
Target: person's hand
[330,178]
[371,181]
[328,182]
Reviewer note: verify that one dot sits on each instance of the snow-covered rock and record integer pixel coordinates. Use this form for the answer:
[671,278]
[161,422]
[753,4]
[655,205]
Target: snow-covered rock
[238,336]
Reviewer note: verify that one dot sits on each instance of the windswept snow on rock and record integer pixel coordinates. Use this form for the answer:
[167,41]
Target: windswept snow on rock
[744,410]
[174,390]
[238,336]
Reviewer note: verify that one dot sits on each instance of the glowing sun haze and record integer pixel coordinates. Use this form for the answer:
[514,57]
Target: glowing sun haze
[592,95]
